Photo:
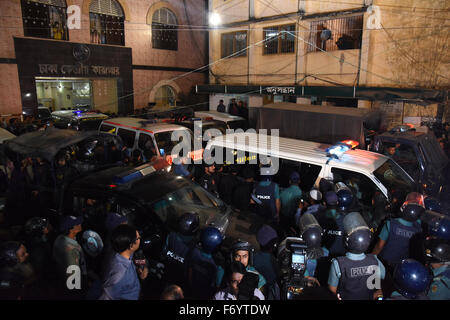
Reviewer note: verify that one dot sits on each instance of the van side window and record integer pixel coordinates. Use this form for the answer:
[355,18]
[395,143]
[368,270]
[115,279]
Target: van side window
[145,143]
[127,136]
[361,186]
[107,128]
[308,173]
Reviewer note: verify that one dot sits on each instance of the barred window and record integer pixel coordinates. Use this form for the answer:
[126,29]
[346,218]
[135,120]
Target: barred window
[107,22]
[235,42]
[336,34]
[279,39]
[45,19]
[164,30]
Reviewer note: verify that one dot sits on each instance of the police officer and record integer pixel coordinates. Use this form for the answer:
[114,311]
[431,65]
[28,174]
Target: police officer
[37,231]
[290,198]
[394,239]
[412,281]
[177,247]
[16,275]
[437,255]
[356,276]
[202,268]
[265,260]
[317,263]
[207,179]
[242,192]
[227,183]
[266,195]
[333,221]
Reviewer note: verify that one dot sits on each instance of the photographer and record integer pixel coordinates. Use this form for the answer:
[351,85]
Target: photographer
[122,281]
[241,285]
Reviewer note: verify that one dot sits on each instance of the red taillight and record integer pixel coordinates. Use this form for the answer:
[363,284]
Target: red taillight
[112,185]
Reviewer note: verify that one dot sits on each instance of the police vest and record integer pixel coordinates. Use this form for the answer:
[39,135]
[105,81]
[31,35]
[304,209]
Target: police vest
[353,284]
[397,245]
[334,236]
[175,258]
[266,194]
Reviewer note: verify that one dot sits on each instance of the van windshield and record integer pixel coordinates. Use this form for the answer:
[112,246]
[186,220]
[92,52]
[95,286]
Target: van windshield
[393,177]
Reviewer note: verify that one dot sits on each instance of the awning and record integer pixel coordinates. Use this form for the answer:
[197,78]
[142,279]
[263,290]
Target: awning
[365,93]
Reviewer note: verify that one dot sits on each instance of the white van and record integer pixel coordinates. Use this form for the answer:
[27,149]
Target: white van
[151,137]
[370,171]
[232,122]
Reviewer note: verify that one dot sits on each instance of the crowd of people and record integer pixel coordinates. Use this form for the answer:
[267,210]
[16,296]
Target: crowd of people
[234,108]
[44,261]
[40,259]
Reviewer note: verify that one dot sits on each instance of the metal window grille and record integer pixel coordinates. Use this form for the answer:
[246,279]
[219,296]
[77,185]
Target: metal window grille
[107,7]
[56,3]
[45,19]
[232,43]
[279,39]
[106,22]
[346,33]
[164,30]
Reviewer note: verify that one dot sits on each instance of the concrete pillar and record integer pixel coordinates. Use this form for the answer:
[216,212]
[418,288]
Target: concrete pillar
[254,102]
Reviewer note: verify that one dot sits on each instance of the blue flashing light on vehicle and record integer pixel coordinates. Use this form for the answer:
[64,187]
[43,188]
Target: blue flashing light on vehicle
[338,149]
[134,174]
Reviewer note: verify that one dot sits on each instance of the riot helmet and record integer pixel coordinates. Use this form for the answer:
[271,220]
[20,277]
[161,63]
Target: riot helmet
[8,253]
[432,204]
[358,234]
[310,230]
[86,150]
[411,278]
[35,227]
[437,250]
[266,172]
[241,245]
[188,223]
[413,207]
[92,243]
[440,228]
[411,212]
[344,195]
[210,239]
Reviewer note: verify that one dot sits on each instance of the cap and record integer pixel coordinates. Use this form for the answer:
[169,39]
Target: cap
[331,198]
[265,235]
[113,219]
[315,194]
[294,177]
[68,222]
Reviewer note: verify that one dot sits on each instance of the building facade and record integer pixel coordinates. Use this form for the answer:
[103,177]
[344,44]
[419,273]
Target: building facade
[386,54]
[113,55]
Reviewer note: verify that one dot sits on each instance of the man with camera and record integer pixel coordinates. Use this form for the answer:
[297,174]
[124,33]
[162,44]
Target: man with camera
[122,279]
[241,285]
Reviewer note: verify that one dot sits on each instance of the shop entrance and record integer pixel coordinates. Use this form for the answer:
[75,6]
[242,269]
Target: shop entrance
[73,93]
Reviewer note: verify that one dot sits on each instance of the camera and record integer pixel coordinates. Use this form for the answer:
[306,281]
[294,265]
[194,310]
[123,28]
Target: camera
[293,258]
